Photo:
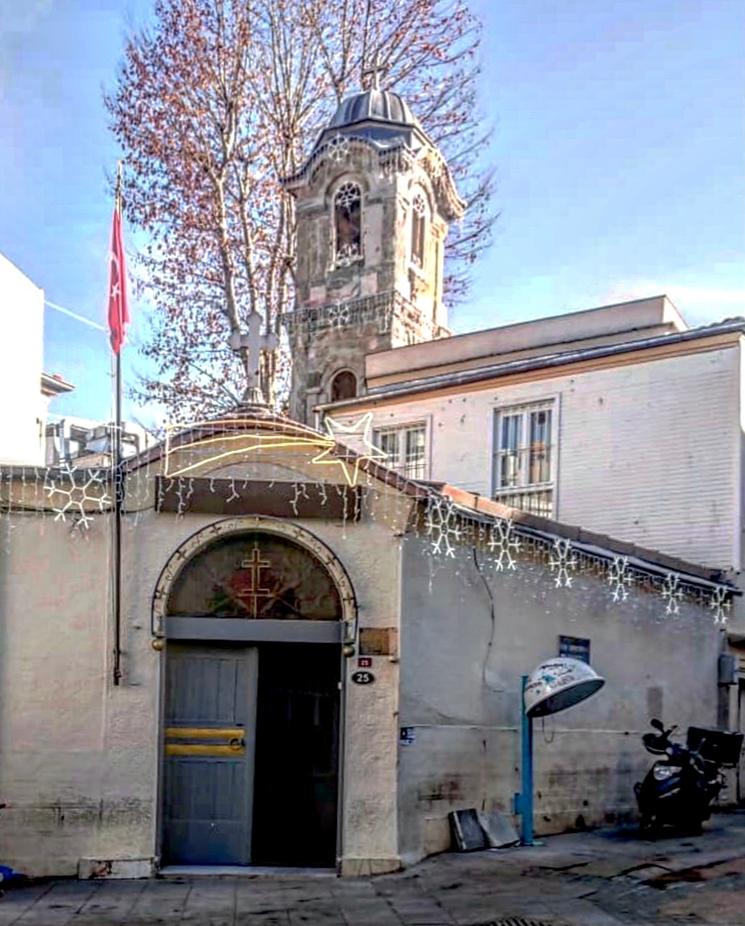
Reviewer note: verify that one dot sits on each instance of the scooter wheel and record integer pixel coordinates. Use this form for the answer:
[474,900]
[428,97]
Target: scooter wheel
[692,827]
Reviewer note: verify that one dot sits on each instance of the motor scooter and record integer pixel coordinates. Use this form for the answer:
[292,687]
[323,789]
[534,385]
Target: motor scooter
[679,789]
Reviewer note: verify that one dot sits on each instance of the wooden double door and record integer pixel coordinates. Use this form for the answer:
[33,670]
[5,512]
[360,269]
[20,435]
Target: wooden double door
[251,754]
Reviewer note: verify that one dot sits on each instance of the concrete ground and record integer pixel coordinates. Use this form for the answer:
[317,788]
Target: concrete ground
[585,879]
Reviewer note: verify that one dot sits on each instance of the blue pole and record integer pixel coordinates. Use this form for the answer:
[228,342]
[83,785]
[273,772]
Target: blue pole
[526,748]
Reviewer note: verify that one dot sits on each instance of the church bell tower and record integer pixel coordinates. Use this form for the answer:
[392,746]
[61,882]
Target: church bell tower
[373,204]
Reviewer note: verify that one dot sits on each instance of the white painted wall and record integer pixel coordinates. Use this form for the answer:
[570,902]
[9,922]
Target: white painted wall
[79,758]
[461,695]
[648,453]
[22,408]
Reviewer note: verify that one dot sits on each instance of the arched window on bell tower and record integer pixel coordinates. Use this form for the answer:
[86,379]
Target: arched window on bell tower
[418,230]
[347,224]
[343,386]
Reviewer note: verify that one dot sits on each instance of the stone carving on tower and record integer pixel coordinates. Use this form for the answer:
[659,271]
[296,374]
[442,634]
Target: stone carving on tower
[373,205]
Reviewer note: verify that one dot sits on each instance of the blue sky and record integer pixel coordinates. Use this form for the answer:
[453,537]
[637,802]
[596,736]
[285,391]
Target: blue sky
[618,145]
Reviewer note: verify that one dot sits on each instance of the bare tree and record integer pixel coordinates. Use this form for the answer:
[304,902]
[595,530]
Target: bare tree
[216,103]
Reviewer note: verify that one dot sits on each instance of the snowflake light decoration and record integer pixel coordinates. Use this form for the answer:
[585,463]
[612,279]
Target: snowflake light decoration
[720,604]
[442,525]
[619,578]
[561,562]
[672,593]
[76,489]
[503,542]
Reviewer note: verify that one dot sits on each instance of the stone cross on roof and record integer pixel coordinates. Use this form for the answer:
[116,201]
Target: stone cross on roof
[253,342]
[377,70]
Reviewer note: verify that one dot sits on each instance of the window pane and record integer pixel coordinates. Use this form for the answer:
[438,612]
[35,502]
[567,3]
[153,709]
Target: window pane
[538,503]
[387,441]
[509,459]
[417,231]
[539,468]
[347,223]
[414,465]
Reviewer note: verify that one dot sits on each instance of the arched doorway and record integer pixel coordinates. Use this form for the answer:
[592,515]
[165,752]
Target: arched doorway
[253,611]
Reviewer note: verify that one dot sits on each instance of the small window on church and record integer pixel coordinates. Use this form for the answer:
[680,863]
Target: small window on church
[343,386]
[348,224]
[418,219]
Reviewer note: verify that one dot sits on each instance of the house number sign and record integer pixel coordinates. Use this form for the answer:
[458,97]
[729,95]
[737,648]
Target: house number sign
[363,678]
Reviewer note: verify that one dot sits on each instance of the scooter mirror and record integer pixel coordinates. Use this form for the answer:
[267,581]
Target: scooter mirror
[657,724]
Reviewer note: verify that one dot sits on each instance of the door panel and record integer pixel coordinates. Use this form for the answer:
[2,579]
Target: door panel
[298,754]
[741,729]
[210,719]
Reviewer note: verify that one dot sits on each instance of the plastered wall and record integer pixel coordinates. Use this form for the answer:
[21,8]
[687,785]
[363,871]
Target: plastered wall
[648,452]
[22,417]
[79,757]
[461,666]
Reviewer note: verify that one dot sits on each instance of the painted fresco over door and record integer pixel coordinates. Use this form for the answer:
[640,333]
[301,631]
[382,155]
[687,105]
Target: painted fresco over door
[210,721]
[255,575]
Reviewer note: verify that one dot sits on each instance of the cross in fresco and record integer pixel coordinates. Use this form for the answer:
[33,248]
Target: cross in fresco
[254,342]
[247,588]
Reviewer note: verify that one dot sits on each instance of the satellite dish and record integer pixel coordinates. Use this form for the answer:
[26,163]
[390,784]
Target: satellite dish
[559,683]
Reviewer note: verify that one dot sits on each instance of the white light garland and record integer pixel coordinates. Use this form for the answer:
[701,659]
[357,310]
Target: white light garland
[503,542]
[75,489]
[619,578]
[562,561]
[442,525]
[720,604]
[672,593]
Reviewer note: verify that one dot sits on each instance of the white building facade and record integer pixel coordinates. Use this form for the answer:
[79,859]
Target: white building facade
[635,432]
[24,387]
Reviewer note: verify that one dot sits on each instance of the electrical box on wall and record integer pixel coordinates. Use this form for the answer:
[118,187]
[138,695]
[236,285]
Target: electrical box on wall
[727,669]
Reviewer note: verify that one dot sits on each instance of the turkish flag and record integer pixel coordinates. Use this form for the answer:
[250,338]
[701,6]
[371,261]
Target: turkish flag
[118,310]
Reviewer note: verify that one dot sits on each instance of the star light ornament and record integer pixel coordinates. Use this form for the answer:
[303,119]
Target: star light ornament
[561,561]
[503,543]
[75,493]
[619,578]
[337,454]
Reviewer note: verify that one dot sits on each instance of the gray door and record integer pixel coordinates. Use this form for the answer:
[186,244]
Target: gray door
[210,716]
[741,729]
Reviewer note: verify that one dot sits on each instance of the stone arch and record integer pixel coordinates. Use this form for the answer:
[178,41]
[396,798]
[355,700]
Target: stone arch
[343,384]
[204,538]
[347,214]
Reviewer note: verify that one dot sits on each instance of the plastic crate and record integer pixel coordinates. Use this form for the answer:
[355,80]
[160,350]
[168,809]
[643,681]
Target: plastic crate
[717,745]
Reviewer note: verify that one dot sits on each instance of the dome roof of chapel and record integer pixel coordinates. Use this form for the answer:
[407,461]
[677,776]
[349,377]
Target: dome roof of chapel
[373,105]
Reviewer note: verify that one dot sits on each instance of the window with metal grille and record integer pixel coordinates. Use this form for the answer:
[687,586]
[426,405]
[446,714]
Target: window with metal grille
[418,221]
[405,449]
[523,473]
[347,224]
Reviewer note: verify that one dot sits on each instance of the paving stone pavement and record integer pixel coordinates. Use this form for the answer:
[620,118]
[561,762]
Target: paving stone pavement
[601,878]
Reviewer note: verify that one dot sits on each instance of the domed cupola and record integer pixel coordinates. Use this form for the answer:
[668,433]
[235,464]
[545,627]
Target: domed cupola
[378,117]
[373,105]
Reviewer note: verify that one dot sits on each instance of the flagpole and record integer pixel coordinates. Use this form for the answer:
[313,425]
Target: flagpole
[118,480]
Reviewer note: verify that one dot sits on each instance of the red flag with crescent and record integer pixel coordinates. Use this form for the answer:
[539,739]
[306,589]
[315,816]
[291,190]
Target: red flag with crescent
[118,309]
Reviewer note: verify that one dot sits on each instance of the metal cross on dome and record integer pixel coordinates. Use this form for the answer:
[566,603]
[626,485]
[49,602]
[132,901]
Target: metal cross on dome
[254,342]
